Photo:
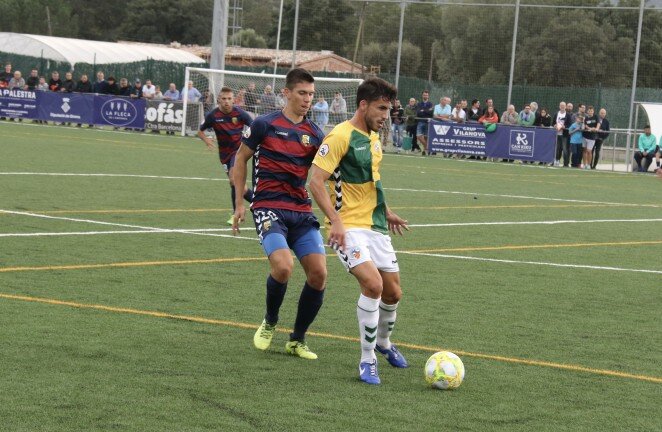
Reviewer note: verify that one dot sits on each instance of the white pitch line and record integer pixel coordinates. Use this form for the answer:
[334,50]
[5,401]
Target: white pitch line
[539,263]
[139,227]
[537,198]
[521,197]
[112,175]
[554,222]
[83,233]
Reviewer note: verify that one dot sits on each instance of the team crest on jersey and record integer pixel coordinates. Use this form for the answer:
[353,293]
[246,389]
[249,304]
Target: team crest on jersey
[235,120]
[266,226]
[305,140]
[247,132]
[356,253]
[324,150]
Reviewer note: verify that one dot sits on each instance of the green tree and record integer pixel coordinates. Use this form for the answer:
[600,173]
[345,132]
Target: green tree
[30,16]
[248,38]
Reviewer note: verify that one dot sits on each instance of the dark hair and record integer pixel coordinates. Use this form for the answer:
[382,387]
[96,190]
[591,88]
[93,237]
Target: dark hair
[590,107]
[473,102]
[296,76]
[647,127]
[226,90]
[374,89]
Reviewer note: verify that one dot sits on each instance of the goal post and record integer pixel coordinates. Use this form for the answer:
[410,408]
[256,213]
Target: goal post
[260,93]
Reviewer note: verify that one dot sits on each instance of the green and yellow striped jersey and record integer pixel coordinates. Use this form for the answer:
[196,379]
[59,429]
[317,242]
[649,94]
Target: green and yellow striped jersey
[353,157]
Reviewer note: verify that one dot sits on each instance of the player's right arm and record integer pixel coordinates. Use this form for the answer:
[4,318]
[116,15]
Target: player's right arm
[239,178]
[317,188]
[208,123]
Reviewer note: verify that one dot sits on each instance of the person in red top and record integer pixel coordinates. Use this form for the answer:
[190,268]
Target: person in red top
[490,116]
[283,145]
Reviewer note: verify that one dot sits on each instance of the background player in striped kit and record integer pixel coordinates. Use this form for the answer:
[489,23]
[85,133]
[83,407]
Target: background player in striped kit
[283,145]
[228,123]
[360,220]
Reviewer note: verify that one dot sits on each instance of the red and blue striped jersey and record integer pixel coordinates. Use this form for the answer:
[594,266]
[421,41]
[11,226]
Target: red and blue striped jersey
[228,128]
[284,152]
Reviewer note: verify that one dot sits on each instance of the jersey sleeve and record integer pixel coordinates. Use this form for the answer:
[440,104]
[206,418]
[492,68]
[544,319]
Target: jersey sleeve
[209,121]
[333,149]
[254,134]
[246,118]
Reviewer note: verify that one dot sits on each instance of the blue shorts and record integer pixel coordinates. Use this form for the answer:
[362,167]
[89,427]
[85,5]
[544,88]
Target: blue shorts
[422,129]
[227,166]
[287,229]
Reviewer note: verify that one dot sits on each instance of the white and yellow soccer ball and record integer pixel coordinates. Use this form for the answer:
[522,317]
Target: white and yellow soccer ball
[444,370]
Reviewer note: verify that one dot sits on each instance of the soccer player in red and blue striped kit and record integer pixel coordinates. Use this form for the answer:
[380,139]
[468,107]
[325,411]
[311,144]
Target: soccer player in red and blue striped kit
[227,121]
[283,145]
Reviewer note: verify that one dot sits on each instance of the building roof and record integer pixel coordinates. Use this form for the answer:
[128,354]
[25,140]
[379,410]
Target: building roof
[74,51]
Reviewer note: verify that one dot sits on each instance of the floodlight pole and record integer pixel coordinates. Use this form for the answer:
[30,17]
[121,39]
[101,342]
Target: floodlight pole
[219,34]
[403,5]
[294,37]
[280,21]
[512,53]
[634,85]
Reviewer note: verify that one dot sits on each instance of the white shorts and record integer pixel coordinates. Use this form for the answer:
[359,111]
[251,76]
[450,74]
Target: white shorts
[363,245]
[588,144]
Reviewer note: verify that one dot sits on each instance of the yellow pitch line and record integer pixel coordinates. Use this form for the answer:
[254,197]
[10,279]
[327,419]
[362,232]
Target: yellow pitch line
[131,264]
[540,246]
[202,320]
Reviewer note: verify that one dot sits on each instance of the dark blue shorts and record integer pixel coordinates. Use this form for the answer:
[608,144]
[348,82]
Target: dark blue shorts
[287,229]
[227,166]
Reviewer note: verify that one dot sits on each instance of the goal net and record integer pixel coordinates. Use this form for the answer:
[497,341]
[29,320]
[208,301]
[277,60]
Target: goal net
[261,93]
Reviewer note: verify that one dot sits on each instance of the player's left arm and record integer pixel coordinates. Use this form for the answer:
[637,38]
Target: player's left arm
[396,224]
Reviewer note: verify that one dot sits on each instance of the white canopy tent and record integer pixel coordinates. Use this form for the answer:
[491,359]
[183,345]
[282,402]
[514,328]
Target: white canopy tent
[74,51]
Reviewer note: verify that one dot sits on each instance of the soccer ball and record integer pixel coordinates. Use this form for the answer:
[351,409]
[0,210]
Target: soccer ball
[444,370]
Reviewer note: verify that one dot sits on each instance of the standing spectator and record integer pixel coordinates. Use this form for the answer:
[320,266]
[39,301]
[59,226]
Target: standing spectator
[561,124]
[410,124]
[137,89]
[338,109]
[124,89]
[536,113]
[239,99]
[101,83]
[589,135]
[158,94]
[397,124]
[490,103]
[281,100]
[17,81]
[33,80]
[251,98]
[172,94]
[526,117]
[543,119]
[320,112]
[490,116]
[442,111]
[111,87]
[458,114]
[43,85]
[149,90]
[7,75]
[268,102]
[84,85]
[510,116]
[55,82]
[474,113]
[576,140]
[603,134]
[193,93]
[463,104]
[68,85]
[424,110]
[647,149]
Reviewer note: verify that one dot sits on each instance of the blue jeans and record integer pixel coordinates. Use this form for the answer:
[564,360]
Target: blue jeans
[397,134]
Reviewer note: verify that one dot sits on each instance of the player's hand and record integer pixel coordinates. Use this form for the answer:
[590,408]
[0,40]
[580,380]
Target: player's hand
[238,218]
[210,144]
[337,235]
[396,224]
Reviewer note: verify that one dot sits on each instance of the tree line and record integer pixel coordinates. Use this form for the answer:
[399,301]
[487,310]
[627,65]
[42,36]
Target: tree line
[453,44]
